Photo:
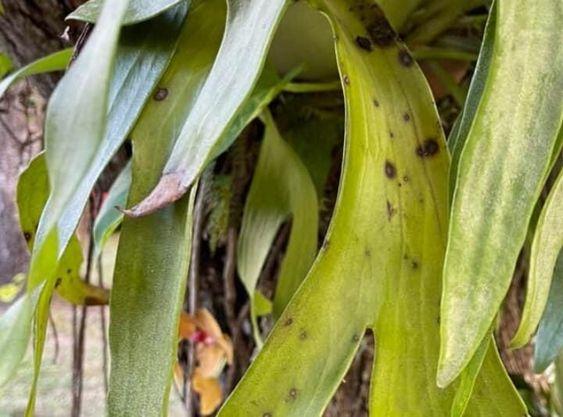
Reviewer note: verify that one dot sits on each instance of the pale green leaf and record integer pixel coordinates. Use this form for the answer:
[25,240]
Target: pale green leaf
[249,30]
[460,132]
[549,340]
[380,267]
[15,325]
[152,259]
[109,217]
[137,10]
[281,187]
[57,61]
[502,169]
[547,243]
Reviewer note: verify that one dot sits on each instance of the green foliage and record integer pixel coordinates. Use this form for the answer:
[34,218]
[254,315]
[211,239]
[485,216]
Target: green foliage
[419,251]
[549,340]
[546,246]
[502,169]
[109,218]
[54,62]
[382,256]
[248,32]
[137,11]
[153,253]
[281,187]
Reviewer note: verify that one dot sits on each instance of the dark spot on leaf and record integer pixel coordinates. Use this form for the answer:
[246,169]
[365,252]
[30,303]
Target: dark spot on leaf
[406,117]
[405,58]
[428,148]
[161,94]
[27,236]
[406,179]
[438,320]
[391,135]
[390,170]
[375,103]
[414,264]
[364,43]
[58,282]
[390,210]
[355,338]
[68,271]
[380,31]
[367,252]
[303,335]
[346,80]
[288,322]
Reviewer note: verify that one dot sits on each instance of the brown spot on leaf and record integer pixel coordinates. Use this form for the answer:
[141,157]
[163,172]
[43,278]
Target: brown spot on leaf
[375,103]
[161,94]
[346,79]
[380,31]
[58,282]
[391,135]
[414,264]
[27,236]
[390,170]
[428,148]
[390,210]
[405,58]
[367,252]
[303,335]
[288,322]
[364,43]
[406,117]
[68,271]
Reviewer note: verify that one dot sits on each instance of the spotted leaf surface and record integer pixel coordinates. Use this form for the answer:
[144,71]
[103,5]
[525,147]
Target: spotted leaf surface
[380,266]
[249,30]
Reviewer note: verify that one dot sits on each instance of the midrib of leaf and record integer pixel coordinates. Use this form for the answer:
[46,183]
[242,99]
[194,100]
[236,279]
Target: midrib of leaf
[502,168]
[379,268]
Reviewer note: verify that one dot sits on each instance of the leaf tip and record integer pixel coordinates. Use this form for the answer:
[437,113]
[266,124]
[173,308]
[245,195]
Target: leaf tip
[169,189]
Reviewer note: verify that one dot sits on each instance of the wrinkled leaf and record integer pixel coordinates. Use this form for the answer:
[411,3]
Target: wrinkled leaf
[109,218]
[549,340]
[387,238]
[547,243]
[153,253]
[137,10]
[57,61]
[281,188]
[502,169]
[250,27]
